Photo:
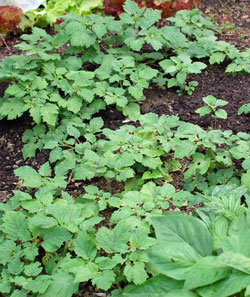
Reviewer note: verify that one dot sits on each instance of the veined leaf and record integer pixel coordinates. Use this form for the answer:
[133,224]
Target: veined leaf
[15,226]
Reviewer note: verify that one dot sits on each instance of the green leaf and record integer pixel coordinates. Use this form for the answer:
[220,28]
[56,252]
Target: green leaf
[30,177]
[157,286]
[7,248]
[210,100]
[236,261]
[184,148]
[173,259]
[135,272]
[42,221]
[205,272]
[245,108]
[49,113]
[115,240]
[54,238]
[148,73]
[183,229]
[104,279]
[132,110]
[85,246]
[204,110]
[221,114]
[95,125]
[19,293]
[83,172]
[131,7]
[217,57]
[45,169]
[15,226]
[39,284]
[13,108]
[39,83]
[33,269]
[82,273]
[62,285]
[74,104]
[245,180]
[226,287]
[196,67]
[15,266]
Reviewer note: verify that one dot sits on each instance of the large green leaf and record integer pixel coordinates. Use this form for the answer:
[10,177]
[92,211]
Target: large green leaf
[157,286]
[173,259]
[186,230]
[236,261]
[226,287]
[206,271]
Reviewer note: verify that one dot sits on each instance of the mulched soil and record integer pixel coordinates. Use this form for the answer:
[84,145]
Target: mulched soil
[234,18]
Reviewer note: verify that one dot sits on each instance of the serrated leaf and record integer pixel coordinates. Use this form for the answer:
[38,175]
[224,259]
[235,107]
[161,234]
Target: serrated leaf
[104,279]
[217,57]
[148,73]
[132,110]
[49,113]
[54,238]
[45,169]
[74,104]
[39,284]
[30,177]
[15,226]
[42,221]
[85,246]
[62,285]
[33,269]
[136,272]
[115,240]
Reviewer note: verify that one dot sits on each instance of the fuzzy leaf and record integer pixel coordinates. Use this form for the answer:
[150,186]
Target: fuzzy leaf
[15,226]
[30,177]
[85,246]
[54,238]
[136,273]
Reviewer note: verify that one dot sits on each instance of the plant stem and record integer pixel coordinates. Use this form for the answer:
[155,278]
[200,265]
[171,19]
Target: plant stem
[5,42]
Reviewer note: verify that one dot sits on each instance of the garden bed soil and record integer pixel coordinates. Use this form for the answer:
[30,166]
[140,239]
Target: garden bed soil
[213,81]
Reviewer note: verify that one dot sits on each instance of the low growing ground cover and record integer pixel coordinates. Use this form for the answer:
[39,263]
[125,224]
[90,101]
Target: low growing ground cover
[122,232]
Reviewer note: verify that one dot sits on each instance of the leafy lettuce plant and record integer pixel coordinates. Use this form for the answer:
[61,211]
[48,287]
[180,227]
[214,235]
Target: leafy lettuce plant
[10,19]
[167,8]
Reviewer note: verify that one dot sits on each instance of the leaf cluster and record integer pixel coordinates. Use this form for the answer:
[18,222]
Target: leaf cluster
[215,263]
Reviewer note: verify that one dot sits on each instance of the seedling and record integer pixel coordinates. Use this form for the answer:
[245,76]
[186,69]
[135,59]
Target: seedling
[245,108]
[211,108]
